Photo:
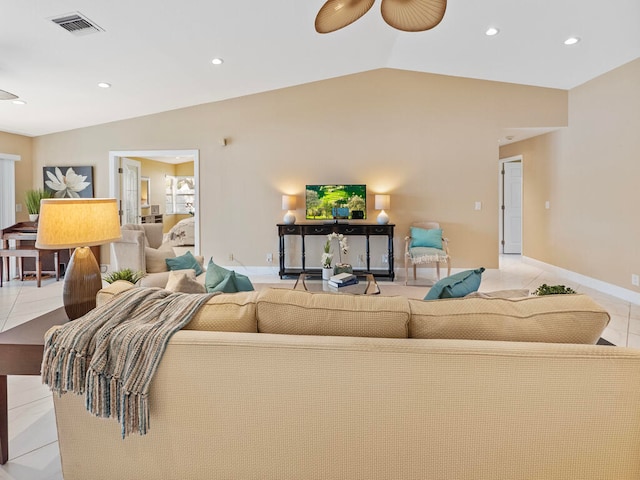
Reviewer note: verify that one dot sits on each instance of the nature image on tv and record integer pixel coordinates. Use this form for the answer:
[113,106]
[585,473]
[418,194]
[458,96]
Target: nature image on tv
[326,202]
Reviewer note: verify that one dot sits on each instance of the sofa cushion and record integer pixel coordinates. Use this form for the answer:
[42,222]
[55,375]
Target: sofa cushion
[183,262]
[456,285]
[550,318]
[295,312]
[184,281]
[227,312]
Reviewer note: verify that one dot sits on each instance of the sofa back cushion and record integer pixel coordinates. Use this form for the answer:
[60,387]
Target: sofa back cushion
[295,312]
[227,312]
[548,318]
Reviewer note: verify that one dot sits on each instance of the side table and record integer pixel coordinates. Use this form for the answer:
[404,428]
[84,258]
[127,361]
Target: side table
[21,351]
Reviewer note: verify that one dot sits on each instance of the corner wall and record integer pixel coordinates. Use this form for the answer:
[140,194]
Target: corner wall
[590,173]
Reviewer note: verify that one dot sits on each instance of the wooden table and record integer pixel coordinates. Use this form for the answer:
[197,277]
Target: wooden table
[21,351]
[22,252]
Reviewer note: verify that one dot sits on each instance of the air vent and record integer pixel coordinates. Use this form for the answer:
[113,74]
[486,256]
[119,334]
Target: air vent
[77,24]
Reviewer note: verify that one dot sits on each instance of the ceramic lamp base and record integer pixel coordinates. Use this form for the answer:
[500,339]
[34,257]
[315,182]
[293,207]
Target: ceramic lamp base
[289,218]
[82,281]
[383,218]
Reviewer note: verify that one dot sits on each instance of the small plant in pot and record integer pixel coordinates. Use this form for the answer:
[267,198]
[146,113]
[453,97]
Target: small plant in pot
[32,202]
[545,289]
[125,274]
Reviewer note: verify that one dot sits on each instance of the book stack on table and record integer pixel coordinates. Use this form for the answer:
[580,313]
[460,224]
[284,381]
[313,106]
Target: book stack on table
[342,280]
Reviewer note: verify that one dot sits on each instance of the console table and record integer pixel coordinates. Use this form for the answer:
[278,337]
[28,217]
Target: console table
[359,229]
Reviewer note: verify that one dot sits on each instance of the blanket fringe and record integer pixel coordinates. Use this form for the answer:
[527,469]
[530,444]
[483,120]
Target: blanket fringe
[111,354]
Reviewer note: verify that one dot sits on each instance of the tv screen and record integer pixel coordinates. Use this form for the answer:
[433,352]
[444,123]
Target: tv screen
[328,202]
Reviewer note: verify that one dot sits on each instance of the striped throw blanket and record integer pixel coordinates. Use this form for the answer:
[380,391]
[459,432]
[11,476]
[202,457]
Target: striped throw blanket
[111,353]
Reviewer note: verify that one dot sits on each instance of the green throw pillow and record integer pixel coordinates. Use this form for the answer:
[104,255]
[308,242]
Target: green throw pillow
[457,285]
[220,279]
[431,237]
[183,262]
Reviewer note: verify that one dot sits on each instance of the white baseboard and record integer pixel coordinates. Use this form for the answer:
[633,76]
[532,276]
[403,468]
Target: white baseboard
[604,287]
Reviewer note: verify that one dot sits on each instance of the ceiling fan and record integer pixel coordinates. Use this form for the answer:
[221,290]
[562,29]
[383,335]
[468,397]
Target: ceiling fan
[405,15]
[7,96]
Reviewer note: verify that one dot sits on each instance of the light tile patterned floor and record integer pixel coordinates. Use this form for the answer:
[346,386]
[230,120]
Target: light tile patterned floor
[33,446]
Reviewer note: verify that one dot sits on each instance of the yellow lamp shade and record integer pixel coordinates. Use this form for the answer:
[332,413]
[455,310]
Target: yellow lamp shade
[77,222]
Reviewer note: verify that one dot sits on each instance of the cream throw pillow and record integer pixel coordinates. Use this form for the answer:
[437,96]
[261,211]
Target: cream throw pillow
[184,281]
[155,259]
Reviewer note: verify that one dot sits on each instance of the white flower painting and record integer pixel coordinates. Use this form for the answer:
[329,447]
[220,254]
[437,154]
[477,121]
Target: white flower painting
[69,182]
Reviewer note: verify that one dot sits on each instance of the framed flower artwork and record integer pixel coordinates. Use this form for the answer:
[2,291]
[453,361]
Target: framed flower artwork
[68,182]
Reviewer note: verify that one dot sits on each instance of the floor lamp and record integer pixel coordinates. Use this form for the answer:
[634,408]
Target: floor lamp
[78,223]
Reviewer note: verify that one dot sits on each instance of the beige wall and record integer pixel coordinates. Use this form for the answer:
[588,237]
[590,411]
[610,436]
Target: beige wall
[428,140]
[590,173]
[20,145]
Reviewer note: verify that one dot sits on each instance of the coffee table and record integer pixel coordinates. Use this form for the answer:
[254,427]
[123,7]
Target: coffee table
[21,351]
[366,285]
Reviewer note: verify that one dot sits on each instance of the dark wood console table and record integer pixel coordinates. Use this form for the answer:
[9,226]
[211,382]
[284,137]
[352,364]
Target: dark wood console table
[360,229]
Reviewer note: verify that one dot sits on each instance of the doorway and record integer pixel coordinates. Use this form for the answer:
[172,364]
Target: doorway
[511,175]
[8,197]
[133,196]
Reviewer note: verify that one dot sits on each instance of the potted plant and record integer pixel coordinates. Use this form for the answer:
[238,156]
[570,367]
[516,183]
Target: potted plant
[32,201]
[125,274]
[545,289]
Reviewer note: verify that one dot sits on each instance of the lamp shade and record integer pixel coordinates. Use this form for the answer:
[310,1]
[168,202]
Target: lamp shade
[383,202]
[288,202]
[77,222]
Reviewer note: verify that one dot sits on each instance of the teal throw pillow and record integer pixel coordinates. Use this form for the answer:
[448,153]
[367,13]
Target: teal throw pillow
[215,275]
[457,285]
[183,262]
[421,237]
[227,285]
[219,279]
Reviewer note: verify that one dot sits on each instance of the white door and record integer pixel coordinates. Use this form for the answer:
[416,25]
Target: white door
[512,207]
[130,190]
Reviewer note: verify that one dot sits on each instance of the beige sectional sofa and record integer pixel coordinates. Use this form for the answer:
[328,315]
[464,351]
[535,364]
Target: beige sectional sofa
[283,384]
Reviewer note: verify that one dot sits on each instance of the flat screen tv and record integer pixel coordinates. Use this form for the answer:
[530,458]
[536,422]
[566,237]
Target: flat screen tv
[329,202]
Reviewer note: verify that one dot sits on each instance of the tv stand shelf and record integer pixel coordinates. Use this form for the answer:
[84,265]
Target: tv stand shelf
[360,229]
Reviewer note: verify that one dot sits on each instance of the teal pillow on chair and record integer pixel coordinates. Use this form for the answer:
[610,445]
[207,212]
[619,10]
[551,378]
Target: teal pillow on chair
[457,285]
[184,262]
[219,279]
[421,237]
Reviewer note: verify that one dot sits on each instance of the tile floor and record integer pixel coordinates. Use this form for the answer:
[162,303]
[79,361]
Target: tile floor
[33,446]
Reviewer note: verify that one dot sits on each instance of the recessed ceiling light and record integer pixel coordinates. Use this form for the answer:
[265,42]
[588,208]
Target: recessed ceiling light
[104,85]
[491,31]
[571,41]
[19,102]
[217,61]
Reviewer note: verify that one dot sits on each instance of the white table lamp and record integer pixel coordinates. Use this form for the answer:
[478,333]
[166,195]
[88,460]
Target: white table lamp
[78,223]
[383,202]
[288,204]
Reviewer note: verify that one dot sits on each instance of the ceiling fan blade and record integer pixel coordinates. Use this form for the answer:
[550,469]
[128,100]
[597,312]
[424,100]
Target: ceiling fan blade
[413,15]
[336,14]
[7,96]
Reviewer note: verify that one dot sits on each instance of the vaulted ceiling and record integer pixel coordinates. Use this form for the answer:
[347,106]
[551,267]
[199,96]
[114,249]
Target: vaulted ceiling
[157,55]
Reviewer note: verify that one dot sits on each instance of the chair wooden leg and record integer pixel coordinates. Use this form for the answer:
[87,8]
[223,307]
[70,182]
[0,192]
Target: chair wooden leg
[56,261]
[448,268]
[38,270]
[21,268]
[414,273]
[438,270]
[406,270]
